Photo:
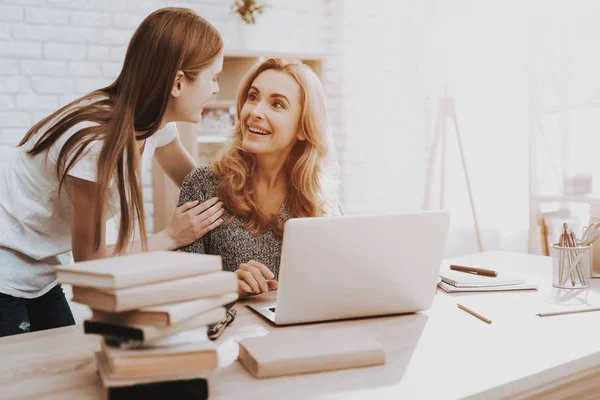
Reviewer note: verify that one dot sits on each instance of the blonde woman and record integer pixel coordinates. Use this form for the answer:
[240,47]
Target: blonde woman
[277,167]
[83,163]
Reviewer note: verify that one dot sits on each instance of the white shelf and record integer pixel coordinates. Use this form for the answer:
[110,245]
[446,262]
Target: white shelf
[240,53]
[566,198]
[203,139]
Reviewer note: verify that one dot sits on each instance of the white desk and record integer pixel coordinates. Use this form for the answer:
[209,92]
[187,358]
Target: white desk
[442,353]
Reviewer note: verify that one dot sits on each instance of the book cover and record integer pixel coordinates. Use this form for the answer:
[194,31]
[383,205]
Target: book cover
[166,314]
[137,269]
[188,288]
[287,352]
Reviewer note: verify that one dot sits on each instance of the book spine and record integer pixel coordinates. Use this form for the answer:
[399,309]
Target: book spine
[158,319]
[183,389]
[96,299]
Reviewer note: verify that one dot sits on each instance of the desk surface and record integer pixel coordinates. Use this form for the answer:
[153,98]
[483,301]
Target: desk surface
[440,353]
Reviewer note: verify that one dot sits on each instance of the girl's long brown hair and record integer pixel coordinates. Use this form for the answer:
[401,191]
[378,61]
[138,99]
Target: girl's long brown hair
[167,41]
[307,196]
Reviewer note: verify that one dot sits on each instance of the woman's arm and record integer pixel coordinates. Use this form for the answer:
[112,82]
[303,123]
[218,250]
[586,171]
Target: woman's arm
[190,222]
[175,161]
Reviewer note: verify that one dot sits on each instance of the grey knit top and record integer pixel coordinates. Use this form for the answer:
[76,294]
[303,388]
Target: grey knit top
[232,242]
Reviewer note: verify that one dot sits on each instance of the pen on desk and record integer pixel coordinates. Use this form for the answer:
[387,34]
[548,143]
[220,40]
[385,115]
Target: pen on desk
[473,313]
[473,270]
[550,314]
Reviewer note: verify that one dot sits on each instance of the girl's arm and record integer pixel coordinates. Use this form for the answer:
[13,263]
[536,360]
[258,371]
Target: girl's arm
[84,195]
[193,189]
[175,161]
[190,222]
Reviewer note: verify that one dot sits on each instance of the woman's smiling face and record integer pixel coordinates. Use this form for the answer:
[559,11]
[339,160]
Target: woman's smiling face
[271,114]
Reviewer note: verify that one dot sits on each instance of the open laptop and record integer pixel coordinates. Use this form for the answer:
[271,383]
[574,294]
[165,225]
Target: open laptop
[357,266]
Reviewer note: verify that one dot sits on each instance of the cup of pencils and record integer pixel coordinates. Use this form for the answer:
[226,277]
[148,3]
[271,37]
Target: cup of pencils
[572,261]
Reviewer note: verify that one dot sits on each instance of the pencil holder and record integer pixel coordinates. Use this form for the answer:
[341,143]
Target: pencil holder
[571,266]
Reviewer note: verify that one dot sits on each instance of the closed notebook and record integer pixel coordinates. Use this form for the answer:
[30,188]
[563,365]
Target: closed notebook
[118,386]
[297,351]
[462,279]
[183,360]
[137,269]
[166,314]
[147,333]
[453,289]
[188,288]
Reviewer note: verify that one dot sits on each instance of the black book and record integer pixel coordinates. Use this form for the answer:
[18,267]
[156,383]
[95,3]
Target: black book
[196,389]
[114,332]
[148,333]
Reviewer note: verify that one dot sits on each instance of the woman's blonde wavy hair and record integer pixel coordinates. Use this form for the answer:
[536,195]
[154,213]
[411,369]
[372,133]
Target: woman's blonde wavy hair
[306,163]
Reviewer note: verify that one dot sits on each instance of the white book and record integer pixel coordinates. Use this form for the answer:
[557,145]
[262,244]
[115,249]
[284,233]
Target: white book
[173,291]
[137,269]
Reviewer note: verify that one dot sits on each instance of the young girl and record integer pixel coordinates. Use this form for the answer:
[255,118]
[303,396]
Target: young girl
[82,165]
[274,169]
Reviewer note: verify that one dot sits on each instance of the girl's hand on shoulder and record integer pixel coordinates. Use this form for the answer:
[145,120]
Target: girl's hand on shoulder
[254,278]
[191,221]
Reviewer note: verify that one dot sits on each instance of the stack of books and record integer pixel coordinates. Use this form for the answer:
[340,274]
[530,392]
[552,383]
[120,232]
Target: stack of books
[152,310]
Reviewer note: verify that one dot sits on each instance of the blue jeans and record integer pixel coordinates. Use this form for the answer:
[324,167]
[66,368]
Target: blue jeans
[18,315]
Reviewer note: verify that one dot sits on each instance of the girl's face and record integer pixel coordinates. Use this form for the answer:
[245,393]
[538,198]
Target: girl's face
[189,98]
[271,114]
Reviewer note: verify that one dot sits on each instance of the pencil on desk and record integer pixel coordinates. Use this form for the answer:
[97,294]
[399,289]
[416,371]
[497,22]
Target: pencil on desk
[552,313]
[473,313]
[475,271]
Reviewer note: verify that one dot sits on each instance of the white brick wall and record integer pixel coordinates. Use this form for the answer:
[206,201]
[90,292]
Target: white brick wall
[52,51]
[20,49]
[378,86]
[10,13]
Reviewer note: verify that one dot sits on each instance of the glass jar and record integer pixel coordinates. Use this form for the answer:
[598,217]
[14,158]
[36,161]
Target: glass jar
[571,266]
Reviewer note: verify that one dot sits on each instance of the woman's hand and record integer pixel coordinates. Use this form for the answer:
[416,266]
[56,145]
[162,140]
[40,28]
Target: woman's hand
[254,278]
[191,221]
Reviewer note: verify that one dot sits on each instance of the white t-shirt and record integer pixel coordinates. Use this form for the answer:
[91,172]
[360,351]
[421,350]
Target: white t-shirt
[35,222]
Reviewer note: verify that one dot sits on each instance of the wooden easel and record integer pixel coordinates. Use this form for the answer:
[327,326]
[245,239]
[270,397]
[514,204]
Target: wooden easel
[447,111]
